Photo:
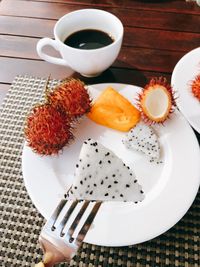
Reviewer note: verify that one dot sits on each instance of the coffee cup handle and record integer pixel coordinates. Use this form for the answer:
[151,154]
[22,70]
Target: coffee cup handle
[47,41]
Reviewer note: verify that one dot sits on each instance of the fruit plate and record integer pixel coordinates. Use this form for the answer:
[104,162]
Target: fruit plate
[184,72]
[170,187]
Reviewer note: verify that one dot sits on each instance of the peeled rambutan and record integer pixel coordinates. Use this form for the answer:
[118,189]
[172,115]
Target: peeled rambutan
[47,129]
[195,86]
[72,96]
[156,101]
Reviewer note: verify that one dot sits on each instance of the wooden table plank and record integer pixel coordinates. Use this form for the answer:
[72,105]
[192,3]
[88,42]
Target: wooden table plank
[52,10]
[175,6]
[162,20]
[26,26]
[15,46]
[136,37]
[22,47]
[148,59]
[165,21]
[35,9]
[10,67]
[160,50]
[148,38]
[129,57]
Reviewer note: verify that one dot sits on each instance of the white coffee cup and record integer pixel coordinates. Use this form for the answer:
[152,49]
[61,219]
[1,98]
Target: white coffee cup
[87,62]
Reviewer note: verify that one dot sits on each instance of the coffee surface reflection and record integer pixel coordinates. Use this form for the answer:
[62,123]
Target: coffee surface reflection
[88,39]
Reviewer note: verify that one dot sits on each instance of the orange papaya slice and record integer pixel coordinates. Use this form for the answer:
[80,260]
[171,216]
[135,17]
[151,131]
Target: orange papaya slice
[113,110]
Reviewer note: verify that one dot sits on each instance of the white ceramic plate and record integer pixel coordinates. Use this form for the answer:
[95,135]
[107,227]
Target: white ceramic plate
[184,72]
[170,187]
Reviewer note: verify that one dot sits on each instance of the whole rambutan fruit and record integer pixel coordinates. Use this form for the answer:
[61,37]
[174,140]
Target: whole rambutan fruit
[72,96]
[47,129]
[156,101]
[195,86]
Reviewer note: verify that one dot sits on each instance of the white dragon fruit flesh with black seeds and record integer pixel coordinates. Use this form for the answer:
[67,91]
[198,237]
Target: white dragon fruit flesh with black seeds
[143,138]
[101,175]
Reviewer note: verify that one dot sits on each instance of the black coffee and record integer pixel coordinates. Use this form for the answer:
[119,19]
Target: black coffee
[88,39]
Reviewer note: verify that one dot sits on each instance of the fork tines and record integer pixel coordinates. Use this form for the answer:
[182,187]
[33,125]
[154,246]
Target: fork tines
[71,215]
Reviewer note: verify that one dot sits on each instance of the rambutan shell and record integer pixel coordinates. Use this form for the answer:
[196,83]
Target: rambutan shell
[47,129]
[72,96]
[156,85]
[195,86]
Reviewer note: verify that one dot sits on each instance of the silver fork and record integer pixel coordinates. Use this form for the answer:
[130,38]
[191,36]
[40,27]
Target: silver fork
[57,243]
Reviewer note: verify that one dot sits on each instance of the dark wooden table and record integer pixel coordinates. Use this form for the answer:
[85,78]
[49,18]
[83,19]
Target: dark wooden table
[157,35]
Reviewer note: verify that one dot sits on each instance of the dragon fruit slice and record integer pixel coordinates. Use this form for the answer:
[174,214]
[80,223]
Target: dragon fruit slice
[101,175]
[143,138]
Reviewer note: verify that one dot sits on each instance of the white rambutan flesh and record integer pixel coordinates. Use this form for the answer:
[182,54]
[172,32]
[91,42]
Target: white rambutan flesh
[156,101]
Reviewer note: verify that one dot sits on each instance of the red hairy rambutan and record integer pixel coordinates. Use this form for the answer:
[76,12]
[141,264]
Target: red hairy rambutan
[47,129]
[195,86]
[72,96]
[156,101]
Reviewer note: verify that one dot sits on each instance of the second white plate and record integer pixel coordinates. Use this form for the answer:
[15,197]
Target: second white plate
[184,72]
[170,187]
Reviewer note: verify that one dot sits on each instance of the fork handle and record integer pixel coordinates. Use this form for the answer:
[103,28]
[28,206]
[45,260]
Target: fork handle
[51,256]
[40,264]
[48,261]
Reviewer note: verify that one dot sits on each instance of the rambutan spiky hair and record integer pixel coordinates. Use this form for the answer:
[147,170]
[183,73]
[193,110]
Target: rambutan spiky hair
[47,129]
[72,96]
[195,86]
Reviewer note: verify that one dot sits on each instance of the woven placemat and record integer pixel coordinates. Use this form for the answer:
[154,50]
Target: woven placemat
[20,223]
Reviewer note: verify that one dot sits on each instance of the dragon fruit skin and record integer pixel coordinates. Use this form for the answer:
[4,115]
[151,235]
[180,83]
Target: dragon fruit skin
[143,138]
[100,175]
